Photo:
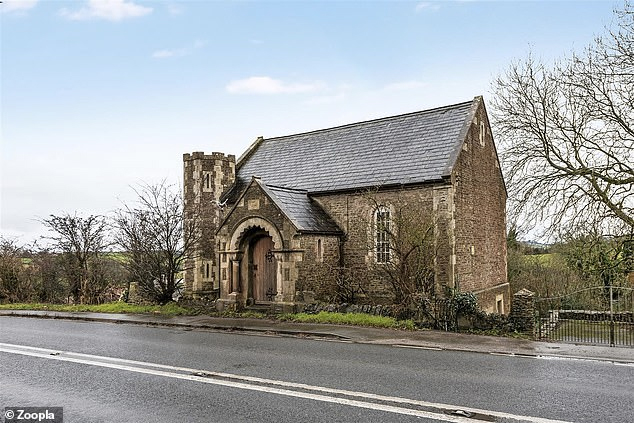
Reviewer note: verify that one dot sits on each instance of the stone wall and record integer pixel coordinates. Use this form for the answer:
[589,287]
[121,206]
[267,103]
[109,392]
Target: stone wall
[319,270]
[494,299]
[522,316]
[596,316]
[480,216]
[354,213]
[376,310]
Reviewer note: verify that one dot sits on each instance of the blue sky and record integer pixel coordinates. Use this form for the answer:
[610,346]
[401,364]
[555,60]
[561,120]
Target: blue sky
[98,96]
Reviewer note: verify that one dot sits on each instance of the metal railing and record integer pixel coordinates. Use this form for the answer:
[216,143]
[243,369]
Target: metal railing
[597,315]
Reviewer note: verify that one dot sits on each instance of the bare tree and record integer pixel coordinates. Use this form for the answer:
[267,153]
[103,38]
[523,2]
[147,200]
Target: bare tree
[82,243]
[403,245]
[50,285]
[156,240]
[15,284]
[567,134]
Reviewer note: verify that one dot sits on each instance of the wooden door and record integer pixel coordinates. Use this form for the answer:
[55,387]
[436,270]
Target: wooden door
[264,270]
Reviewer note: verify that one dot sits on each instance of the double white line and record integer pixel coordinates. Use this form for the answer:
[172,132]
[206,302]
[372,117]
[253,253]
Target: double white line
[397,405]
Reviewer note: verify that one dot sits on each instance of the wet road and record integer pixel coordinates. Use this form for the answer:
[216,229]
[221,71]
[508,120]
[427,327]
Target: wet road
[125,373]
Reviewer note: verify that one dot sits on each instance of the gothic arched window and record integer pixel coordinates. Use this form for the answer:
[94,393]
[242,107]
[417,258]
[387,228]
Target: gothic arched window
[383,222]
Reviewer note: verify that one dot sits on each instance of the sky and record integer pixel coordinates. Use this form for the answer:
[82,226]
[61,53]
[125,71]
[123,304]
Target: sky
[100,96]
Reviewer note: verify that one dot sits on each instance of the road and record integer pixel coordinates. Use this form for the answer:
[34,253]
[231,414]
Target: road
[102,372]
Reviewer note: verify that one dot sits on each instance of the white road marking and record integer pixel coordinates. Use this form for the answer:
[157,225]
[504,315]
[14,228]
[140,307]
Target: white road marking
[590,360]
[238,381]
[417,347]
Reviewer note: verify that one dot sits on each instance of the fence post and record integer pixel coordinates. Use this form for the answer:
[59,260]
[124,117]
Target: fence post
[522,315]
[611,317]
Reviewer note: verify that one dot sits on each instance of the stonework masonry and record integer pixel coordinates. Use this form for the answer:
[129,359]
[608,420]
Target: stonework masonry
[355,213]
[522,314]
[206,178]
[465,203]
[480,217]
[319,271]
[255,215]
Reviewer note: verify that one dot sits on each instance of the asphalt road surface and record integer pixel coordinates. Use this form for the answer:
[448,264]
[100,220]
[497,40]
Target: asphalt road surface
[100,372]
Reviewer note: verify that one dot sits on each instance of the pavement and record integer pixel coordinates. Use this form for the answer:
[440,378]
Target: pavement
[425,339]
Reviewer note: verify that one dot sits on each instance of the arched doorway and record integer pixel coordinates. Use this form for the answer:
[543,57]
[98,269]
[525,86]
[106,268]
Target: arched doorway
[254,276]
[262,269]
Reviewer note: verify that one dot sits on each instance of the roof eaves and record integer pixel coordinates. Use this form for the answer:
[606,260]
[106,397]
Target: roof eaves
[385,187]
[451,163]
[227,193]
[270,189]
[244,191]
[278,203]
[314,232]
[281,188]
[495,150]
[249,151]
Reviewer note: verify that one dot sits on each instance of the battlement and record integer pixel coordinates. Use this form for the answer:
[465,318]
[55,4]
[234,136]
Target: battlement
[207,176]
[200,155]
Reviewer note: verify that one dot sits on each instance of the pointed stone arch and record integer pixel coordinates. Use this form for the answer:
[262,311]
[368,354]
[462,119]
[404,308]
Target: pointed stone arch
[256,222]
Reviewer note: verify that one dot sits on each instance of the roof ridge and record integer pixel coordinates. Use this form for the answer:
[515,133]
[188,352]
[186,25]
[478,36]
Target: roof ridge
[385,118]
[415,147]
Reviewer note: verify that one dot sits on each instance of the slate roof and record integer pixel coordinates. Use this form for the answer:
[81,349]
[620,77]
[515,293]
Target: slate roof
[406,149]
[304,213]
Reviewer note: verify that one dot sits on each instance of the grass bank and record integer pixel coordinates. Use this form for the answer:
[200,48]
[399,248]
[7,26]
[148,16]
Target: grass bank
[173,309]
[356,319]
[170,309]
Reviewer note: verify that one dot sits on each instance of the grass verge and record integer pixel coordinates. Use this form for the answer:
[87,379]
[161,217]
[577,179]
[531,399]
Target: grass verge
[173,309]
[357,319]
[169,309]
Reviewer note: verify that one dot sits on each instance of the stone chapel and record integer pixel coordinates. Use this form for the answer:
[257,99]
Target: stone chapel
[282,221]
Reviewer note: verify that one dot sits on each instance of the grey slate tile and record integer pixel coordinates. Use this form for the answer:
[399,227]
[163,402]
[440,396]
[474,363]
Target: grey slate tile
[304,213]
[411,148]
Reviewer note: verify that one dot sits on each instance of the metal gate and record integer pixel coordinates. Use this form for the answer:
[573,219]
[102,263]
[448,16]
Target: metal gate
[599,315]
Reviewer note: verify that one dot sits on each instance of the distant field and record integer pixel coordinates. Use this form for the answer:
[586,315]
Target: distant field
[543,259]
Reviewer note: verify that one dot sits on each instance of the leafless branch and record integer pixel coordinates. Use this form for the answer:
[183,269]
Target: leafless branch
[567,136]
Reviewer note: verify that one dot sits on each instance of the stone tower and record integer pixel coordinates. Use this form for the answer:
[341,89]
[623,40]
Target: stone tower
[205,178]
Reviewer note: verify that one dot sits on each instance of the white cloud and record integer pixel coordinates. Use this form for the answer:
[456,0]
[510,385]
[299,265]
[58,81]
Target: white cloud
[404,85]
[268,85]
[112,10]
[174,9]
[327,99]
[9,6]
[338,95]
[426,5]
[163,54]
[179,52]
